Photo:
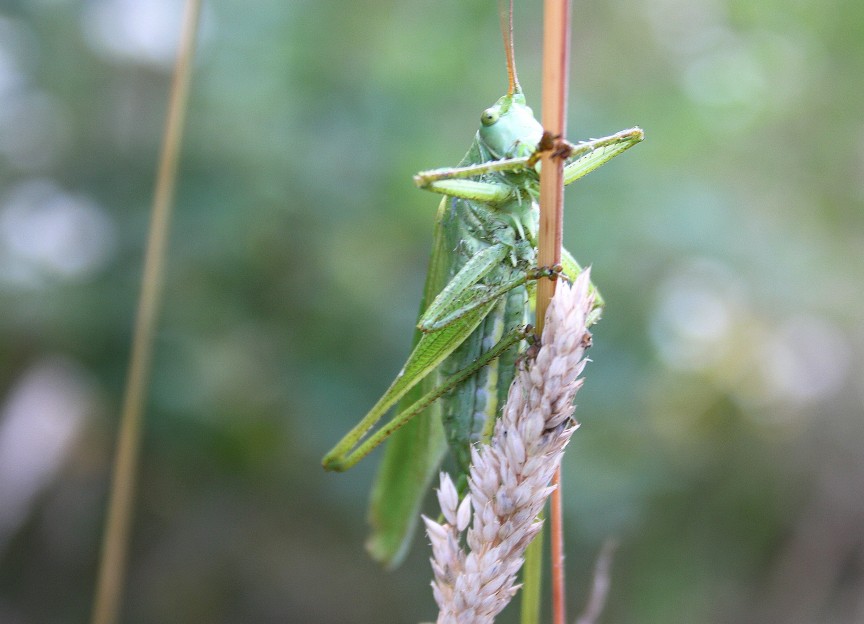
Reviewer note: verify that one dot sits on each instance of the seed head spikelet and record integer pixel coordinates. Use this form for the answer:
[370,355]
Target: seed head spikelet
[509,478]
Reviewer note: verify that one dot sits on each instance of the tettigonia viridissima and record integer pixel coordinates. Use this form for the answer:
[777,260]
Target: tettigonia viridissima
[477,302]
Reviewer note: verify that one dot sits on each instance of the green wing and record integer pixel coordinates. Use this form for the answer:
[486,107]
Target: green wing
[414,452]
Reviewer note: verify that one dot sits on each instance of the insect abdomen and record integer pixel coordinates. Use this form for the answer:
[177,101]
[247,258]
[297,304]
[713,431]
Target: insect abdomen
[471,405]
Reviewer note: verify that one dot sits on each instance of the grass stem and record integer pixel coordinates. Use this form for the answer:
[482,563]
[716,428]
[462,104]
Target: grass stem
[556,65]
[115,541]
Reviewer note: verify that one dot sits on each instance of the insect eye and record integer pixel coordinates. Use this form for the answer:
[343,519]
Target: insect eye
[489,116]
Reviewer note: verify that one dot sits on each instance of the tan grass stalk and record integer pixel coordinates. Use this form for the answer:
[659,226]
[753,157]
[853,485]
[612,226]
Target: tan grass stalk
[510,478]
[556,68]
[115,541]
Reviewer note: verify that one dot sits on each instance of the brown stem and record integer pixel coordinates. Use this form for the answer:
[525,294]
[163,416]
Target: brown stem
[556,61]
[109,585]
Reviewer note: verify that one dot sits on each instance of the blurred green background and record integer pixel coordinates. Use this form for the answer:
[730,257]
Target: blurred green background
[722,414]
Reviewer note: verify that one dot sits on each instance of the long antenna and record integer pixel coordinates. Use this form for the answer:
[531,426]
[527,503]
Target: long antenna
[505,14]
